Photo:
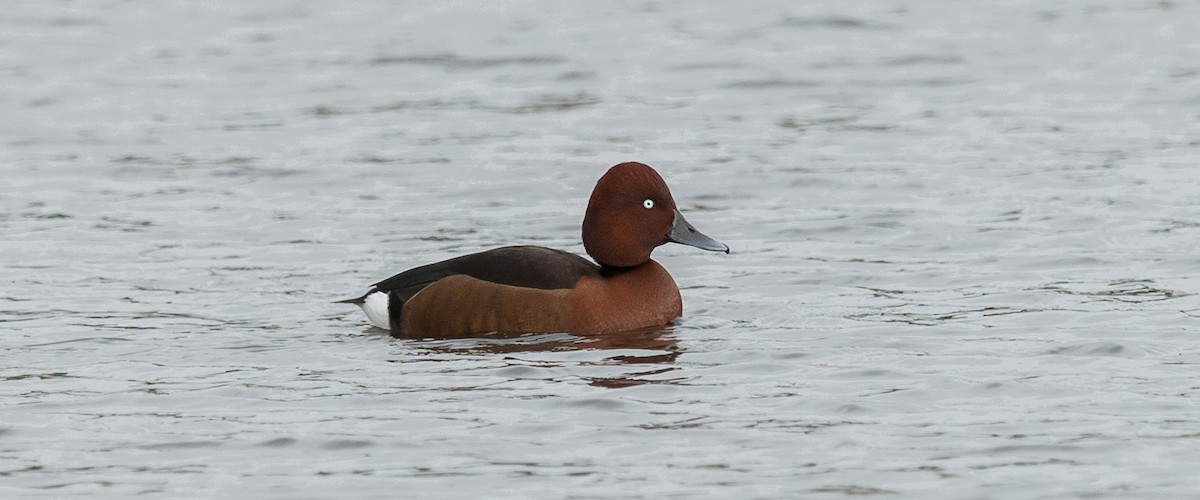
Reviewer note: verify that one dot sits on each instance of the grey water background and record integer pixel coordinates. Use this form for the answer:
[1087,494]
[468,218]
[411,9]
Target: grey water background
[965,248]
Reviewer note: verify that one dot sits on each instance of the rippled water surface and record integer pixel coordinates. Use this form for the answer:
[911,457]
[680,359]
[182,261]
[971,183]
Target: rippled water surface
[966,248]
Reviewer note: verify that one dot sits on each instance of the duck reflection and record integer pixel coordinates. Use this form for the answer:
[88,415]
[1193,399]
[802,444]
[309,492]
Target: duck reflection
[634,348]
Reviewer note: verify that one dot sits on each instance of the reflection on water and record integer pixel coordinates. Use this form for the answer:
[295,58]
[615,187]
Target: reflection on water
[656,339]
[648,346]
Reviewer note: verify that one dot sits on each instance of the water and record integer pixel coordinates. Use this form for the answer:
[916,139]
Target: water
[964,248]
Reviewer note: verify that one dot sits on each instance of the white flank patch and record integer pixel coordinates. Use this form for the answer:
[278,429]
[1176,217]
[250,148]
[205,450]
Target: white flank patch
[376,307]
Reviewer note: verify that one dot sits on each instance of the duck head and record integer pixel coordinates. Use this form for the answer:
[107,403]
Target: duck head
[631,212]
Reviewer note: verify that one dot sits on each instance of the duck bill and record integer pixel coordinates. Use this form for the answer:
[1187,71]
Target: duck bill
[683,232]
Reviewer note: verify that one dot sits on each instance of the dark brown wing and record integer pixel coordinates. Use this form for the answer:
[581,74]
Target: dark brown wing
[523,266]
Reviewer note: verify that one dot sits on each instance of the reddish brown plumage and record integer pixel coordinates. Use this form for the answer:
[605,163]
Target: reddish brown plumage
[642,296]
[535,289]
[617,229]
[463,305]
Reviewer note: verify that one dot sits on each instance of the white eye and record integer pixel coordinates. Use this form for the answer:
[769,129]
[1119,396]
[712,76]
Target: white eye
[648,203]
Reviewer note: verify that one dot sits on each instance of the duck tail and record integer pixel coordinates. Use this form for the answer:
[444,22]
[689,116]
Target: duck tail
[358,301]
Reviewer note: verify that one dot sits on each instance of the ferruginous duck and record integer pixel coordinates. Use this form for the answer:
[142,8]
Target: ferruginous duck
[531,289]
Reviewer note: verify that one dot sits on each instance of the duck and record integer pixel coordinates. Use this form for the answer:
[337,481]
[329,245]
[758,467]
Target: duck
[534,289]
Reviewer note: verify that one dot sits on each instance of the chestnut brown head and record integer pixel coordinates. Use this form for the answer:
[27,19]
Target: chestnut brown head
[631,212]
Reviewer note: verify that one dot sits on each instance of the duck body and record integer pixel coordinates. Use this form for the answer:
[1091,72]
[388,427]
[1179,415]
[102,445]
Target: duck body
[527,289]
[521,289]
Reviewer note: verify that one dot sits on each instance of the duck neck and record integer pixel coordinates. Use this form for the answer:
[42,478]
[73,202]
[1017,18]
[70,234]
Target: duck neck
[608,271]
